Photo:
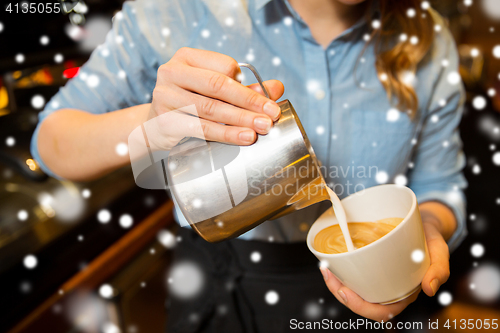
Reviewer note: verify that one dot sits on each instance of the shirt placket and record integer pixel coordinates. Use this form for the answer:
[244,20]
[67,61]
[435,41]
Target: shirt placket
[317,83]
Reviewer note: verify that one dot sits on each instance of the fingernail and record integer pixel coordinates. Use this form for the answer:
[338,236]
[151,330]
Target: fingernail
[324,273]
[434,286]
[247,136]
[272,110]
[342,295]
[263,124]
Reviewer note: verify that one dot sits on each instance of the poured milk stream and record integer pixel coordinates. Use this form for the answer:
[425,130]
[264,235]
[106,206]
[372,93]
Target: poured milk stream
[341,218]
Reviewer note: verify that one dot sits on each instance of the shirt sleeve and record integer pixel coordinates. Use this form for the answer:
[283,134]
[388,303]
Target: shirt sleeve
[439,160]
[120,73]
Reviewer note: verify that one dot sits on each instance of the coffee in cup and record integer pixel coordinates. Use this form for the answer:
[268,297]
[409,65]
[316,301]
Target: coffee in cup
[390,268]
[331,239]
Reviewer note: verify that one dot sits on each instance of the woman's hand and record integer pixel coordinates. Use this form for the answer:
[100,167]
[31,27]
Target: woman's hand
[436,275]
[227,110]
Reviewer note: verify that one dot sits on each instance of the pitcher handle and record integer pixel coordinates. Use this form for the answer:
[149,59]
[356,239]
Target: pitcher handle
[257,76]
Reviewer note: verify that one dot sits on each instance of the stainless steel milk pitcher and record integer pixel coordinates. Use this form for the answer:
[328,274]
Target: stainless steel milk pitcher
[225,190]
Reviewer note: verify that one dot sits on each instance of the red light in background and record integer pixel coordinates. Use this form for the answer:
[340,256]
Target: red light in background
[71,72]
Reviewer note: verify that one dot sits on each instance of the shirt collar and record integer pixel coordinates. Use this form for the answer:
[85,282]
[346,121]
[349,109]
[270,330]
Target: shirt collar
[261,3]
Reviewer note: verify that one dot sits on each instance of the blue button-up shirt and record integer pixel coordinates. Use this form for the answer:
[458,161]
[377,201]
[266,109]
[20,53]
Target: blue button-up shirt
[357,134]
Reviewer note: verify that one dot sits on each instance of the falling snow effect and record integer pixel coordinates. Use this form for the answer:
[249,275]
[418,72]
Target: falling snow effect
[496,51]
[37,102]
[105,52]
[445,298]
[401,180]
[320,130]
[119,39]
[453,78]
[122,75]
[312,310]
[205,33]
[30,261]
[106,291]
[121,149]
[229,21]
[411,12]
[496,158]
[417,256]
[287,21]
[255,256]
[392,115]
[486,281]
[323,264]
[166,238]
[186,280]
[381,177]
[477,250]
[491,9]
[126,221]
[104,216]
[476,169]
[25,287]
[22,215]
[93,81]
[312,86]
[86,193]
[479,102]
[109,327]
[58,58]
[320,94]
[44,40]
[197,203]
[272,297]
[67,205]
[118,16]
[165,32]
[19,58]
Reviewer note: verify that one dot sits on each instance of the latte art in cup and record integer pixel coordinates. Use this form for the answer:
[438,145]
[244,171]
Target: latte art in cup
[331,240]
[382,270]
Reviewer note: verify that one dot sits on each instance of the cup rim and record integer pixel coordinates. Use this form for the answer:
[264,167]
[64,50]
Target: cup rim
[364,248]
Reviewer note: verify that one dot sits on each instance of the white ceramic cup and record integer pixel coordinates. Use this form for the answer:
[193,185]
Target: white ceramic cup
[391,268]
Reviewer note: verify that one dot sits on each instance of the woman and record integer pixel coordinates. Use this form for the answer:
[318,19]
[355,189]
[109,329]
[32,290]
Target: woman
[374,84]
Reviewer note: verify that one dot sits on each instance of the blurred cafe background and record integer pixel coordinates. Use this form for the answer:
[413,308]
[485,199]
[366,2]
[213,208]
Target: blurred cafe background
[94,257]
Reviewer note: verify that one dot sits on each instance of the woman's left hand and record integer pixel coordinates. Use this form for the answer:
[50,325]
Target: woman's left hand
[436,275]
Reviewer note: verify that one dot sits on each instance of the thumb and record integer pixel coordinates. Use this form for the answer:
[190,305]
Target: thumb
[274,87]
[332,282]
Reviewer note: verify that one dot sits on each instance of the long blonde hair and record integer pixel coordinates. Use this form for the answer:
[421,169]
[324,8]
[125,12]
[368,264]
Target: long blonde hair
[412,27]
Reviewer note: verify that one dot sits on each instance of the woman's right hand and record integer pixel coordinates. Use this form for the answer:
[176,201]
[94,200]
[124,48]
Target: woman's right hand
[227,111]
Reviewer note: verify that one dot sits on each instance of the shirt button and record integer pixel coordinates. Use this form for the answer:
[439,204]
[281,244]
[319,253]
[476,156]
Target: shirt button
[320,94]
